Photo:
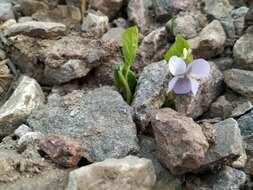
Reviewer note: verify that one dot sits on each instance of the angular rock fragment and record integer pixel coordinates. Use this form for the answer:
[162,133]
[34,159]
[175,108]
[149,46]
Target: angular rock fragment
[37,29]
[228,146]
[27,96]
[100,121]
[240,81]
[180,141]
[242,51]
[124,174]
[96,23]
[209,89]
[150,92]
[210,42]
[62,150]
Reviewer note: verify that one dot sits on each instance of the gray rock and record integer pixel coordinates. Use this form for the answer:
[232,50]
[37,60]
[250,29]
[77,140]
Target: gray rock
[95,22]
[27,96]
[59,61]
[22,130]
[181,143]
[139,12]
[153,46]
[239,19]
[2,55]
[100,121]
[241,81]
[37,29]
[164,179]
[228,146]
[25,19]
[27,170]
[224,63]
[6,12]
[68,15]
[221,108]
[246,124]
[108,7]
[229,28]
[241,106]
[218,8]
[210,88]
[114,34]
[249,16]
[189,24]
[28,7]
[210,41]
[124,174]
[242,51]
[225,179]
[150,92]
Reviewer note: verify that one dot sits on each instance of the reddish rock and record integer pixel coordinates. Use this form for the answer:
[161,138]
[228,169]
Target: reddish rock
[61,150]
[181,143]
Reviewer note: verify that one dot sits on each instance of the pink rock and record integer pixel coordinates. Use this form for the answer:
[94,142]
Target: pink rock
[180,141]
[61,150]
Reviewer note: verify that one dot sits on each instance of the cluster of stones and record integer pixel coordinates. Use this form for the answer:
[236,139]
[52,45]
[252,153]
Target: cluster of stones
[63,125]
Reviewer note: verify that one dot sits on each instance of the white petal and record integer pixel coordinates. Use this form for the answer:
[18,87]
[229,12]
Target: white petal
[177,66]
[199,68]
[194,86]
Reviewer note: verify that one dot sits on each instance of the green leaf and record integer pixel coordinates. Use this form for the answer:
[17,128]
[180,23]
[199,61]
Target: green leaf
[177,49]
[169,99]
[132,81]
[118,82]
[130,44]
[170,25]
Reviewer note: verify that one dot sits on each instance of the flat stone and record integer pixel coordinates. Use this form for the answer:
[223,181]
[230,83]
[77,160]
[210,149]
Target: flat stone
[210,88]
[210,41]
[62,60]
[239,15]
[242,52]
[37,29]
[181,144]
[124,174]
[61,150]
[6,11]
[95,22]
[100,121]
[228,146]
[150,92]
[240,81]
[27,96]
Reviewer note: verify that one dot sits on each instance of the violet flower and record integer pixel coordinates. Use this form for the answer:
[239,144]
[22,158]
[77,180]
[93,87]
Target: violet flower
[185,76]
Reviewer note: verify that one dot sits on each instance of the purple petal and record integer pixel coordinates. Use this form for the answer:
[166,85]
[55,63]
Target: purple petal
[199,68]
[172,83]
[194,86]
[177,66]
[182,86]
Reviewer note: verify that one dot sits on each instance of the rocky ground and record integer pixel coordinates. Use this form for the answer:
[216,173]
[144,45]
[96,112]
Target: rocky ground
[63,125]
